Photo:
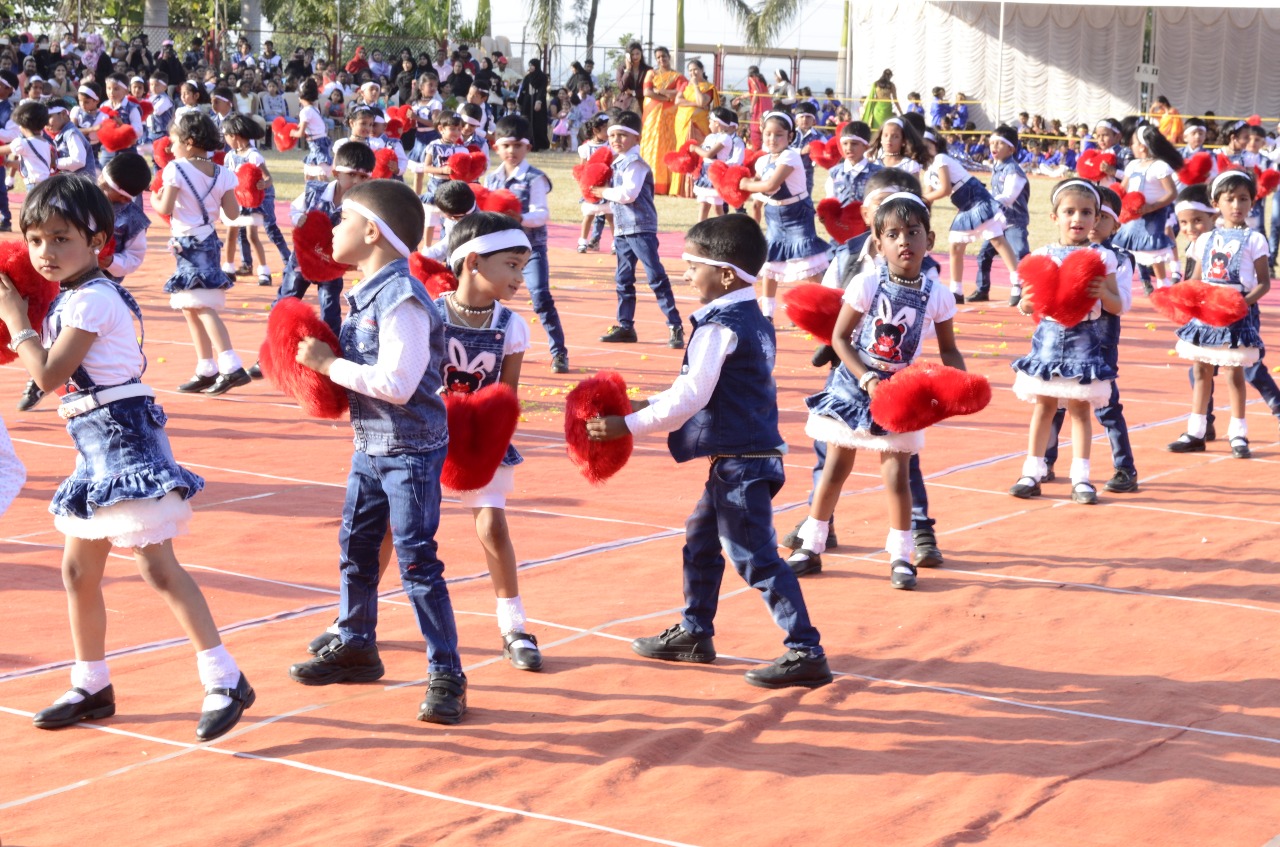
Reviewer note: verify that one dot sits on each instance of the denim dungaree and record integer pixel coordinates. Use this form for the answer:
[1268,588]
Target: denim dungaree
[1077,353]
[199,259]
[1220,265]
[473,359]
[1145,235]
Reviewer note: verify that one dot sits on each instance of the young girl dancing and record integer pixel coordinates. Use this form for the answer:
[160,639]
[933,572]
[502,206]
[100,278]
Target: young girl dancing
[127,490]
[311,126]
[194,188]
[721,143]
[886,313]
[1068,364]
[796,253]
[240,132]
[1155,161]
[1231,255]
[594,215]
[897,145]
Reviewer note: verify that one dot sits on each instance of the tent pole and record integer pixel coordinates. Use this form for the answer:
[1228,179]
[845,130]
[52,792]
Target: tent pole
[1000,71]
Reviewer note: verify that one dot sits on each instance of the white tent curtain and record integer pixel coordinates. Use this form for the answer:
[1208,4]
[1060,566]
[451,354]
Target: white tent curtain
[1074,63]
[1218,59]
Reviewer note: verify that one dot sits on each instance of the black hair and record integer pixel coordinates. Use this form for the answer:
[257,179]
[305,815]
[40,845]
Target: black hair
[225,93]
[31,116]
[783,117]
[130,171]
[10,78]
[309,91]
[445,118]
[856,128]
[628,119]
[515,126]
[199,129]
[1257,130]
[1193,123]
[473,111]
[724,116]
[902,210]
[1229,179]
[455,197]
[1130,125]
[358,110]
[72,197]
[730,238]
[243,126]
[160,76]
[1159,146]
[395,203]
[64,102]
[478,224]
[1198,193]
[1009,134]
[895,178]
[805,108]
[119,78]
[355,156]
[1074,185]
[1112,200]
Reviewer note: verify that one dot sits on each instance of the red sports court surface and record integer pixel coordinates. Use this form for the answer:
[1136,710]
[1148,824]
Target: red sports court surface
[1072,675]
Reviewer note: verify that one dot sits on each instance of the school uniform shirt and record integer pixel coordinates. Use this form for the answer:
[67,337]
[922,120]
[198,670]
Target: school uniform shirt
[186,220]
[385,142]
[134,114]
[36,158]
[131,239]
[161,113]
[956,171]
[312,122]
[323,201]
[74,149]
[404,353]
[1255,247]
[115,356]
[342,142]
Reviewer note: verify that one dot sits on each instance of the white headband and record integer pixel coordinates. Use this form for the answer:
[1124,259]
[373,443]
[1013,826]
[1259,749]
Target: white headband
[895,121]
[1193,206]
[1000,139]
[111,183]
[1108,124]
[859,138]
[621,128]
[372,84]
[491,243]
[929,136]
[469,121]
[343,169]
[1230,173]
[888,189]
[1075,183]
[1112,212]
[220,97]
[387,233]
[53,110]
[790,122]
[88,92]
[137,79]
[905,195]
[699,260]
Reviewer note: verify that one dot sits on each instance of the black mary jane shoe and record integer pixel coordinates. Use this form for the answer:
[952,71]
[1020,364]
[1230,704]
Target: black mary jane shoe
[1240,448]
[218,722]
[804,562]
[197,383]
[902,574]
[521,656]
[227,381]
[91,708]
[1186,443]
[1025,488]
[1084,493]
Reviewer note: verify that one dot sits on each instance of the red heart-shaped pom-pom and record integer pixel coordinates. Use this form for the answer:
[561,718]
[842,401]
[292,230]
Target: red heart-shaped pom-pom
[822,154]
[481,424]
[15,262]
[1216,305]
[282,133]
[161,152]
[1039,277]
[290,321]
[813,308]
[434,276]
[501,201]
[248,194]
[842,222]
[1074,303]
[684,160]
[386,165]
[1088,164]
[727,180]
[599,396]
[749,159]
[145,107]
[313,248]
[1267,182]
[1131,206]
[395,128]
[593,175]
[219,158]
[467,167]
[1196,168]
[107,253]
[116,137]
[921,395]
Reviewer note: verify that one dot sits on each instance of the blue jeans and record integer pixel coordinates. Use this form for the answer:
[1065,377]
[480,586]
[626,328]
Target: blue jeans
[293,284]
[735,516]
[1256,375]
[271,227]
[915,482]
[1111,416]
[536,279]
[597,229]
[1017,238]
[641,248]
[402,490]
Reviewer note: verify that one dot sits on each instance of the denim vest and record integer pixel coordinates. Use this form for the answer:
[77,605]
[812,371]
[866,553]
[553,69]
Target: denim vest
[521,186]
[314,200]
[475,358]
[801,144]
[1017,214]
[742,414]
[850,187]
[130,220]
[62,147]
[159,122]
[640,216]
[382,428]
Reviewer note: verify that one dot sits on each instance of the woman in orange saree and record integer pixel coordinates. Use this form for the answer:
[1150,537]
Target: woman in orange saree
[693,118]
[658,138]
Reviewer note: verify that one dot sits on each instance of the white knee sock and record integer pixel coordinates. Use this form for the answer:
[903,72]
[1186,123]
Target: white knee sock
[229,362]
[900,545]
[813,534]
[1079,470]
[1035,467]
[206,367]
[1014,283]
[229,267]
[87,676]
[1197,425]
[264,270]
[1238,428]
[510,614]
[767,305]
[217,670]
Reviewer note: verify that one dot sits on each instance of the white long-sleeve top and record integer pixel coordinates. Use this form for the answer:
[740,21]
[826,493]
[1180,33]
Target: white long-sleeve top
[634,171]
[404,352]
[128,257]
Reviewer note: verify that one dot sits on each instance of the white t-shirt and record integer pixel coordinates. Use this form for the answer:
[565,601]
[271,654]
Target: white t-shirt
[954,169]
[312,122]
[861,294]
[36,157]
[1155,171]
[790,157]
[1254,248]
[186,219]
[115,357]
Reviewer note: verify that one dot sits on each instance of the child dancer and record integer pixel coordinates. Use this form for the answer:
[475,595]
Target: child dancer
[381,141]
[594,215]
[635,234]
[532,187]
[424,112]
[161,107]
[727,377]
[796,253]
[35,154]
[240,133]
[897,145]
[311,126]
[847,181]
[393,380]
[901,303]
[470,134]
[1155,160]
[125,112]
[435,164]
[1064,364]
[189,95]
[805,116]
[8,84]
[126,490]
[978,216]
[194,188]
[359,127]
[124,180]
[1231,255]
[72,151]
[722,144]
[1011,190]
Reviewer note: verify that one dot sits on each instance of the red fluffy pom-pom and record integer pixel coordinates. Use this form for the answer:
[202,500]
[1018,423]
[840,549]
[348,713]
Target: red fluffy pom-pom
[1131,206]
[925,393]
[15,262]
[107,253]
[599,396]
[161,152]
[395,128]
[481,424]
[116,137]
[313,248]
[1225,164]
[1073,302]
[248,194]
[684,160]
[501,201]
[1089,165]
[1267,182]
[386,165]
[593,175]
[750,158]
[1216,305]
[290,321]
[157,183]
[1196,168]
[467,167]
[435,277]
[282,133]
[1039,277]
[727,180]
[219,158]
[813,308]
[842,222]
[822,154]
[146,107]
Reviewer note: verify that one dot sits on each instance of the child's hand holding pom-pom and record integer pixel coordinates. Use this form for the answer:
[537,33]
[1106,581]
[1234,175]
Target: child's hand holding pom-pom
[313,247]
[386,165]
[727,180]
[921,395]
[290,322]
[842,222]
[248,194]
[601,396]
[1131,206]
[1215,305]
[24,283]
[282,133]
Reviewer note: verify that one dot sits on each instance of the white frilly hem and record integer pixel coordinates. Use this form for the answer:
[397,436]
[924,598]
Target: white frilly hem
[317,171]
[594,209]
[131,523]
[1153,257]
[832,431]
[796,270]
[199,298]
[993,228]
[708,195]
[1225,357]
[493,495]
[416,167]
[1031,389]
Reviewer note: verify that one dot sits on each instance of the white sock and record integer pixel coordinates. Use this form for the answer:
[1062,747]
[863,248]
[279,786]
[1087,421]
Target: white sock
[206,367]
[510,614]
[813,534]
[582,242]
[229,362]
[1238,428]
[87,676]
[1196,425]
[229,267]
[1014,283]
[767,305]
[264,270]
[217,670]
[1079,470]
[900,545]
[957,287]
[1035,467]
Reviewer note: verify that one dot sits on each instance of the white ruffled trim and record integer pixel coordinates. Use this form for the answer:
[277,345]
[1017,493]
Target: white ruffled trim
[416,167]
[795,270]
[594,208]
[993,228]
[493,495]
[1226,357]
[1031,389]
[132,523]
[832,431]
[1154,257]
[708,195]
[199,298]
[315,170]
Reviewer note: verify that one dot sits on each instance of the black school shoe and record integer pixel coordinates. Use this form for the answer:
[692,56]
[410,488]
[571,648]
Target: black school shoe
[522,658]
[1240,448]
[255,370]
[32,394]
[927,553]
[676,645]
[791,670]
[560,364]
[792,539]
[225,382]
[1015,297]
[446,700]
[1186,443]
[1122,483]
[1084,493]
[323,640]
[902,574]
[978,297]
[804,562]
[620,335]
[91,708]
[1025,488]
[1210,432]
[220,721]
[675,337]
[339,662]
[197,383]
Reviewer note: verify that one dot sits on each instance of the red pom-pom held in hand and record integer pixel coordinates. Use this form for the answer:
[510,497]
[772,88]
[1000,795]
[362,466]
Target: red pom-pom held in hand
[386,165]
[842,222]
[313,248]
[481,424]
[1267,183]
[1196,168]
[15,263]
[435,277]
[814,308]
[1039,276]
[116,137]
[161,151]
[1074,302]
[684,160]
[599,396]
[727,180]
[290,321]
[925,393]
[1089,164]
[248,194]
[1216,305]
[501,201]
[822,154]
[107,253]
[282,133]
[1131,206]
